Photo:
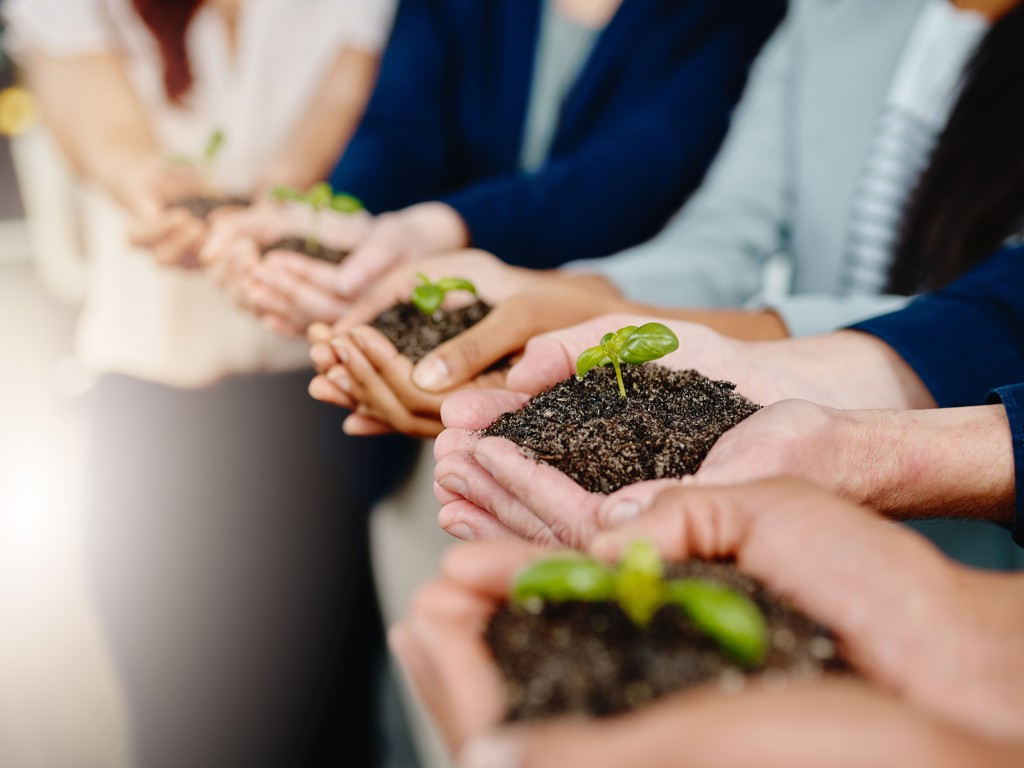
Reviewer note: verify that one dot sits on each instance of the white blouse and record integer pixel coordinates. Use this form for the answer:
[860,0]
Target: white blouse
[165,324]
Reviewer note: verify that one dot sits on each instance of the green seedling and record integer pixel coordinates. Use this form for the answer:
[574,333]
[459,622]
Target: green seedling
[319,198]
[632,345]
[205,162]
[428,296]
[639,586]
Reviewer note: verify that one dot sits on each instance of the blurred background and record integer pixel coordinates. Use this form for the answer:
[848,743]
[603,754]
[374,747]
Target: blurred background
[59,704]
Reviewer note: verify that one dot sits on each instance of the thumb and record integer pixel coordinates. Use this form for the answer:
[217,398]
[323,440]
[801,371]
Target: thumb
[458,360]
[363,266]
[546,361]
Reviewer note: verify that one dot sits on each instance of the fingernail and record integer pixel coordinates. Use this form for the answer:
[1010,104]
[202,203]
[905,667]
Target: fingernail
[454,483]
[430,373]
[340,378]
[622,512]
[491,752]
[460,531]
[340,350]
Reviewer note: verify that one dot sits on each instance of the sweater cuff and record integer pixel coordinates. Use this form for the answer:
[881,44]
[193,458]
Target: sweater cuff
[1012,398]
[938,338]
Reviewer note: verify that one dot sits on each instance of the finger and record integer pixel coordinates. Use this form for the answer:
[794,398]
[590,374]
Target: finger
[391,289]
[323,357]
[462,475]
[319,333]
[147,232]
[489,568]
[181,246]
[281,325]
[321,388]
[504,330]
[466,521]
[477,409]
[396,371]
[546,361]
[310,301]
[454,440]
[566,509]
[366,263]
[362,425]
[628,503]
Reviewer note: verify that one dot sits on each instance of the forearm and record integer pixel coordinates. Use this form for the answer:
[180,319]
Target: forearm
[954,462]
[324,130]
[95,116]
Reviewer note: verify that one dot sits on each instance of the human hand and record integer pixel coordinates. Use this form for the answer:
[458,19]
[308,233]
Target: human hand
[399,237]
[899,608]
[440,648]
[287,291]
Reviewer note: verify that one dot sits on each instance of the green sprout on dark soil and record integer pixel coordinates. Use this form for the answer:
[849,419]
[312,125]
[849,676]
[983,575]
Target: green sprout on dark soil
[428,296]
[639,587]
[205,162]
[632,345]
[319,197]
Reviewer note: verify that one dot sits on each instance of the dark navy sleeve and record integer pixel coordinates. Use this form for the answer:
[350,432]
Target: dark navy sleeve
[1012,398]
[399,152]
[966,339]
[625,180]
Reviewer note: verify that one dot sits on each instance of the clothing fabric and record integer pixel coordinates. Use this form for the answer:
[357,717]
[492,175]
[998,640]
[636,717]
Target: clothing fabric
[562,48]
[920,100]
[174,326]
[966,343]
[635,134]
[781,191]
[1012,399]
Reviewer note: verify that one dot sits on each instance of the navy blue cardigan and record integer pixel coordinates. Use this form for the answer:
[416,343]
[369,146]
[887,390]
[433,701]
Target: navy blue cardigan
[966,343]
[635,136]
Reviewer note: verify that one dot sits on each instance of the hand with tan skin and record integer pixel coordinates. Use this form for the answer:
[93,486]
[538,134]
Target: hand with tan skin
[900,610]
[382,384]
[285,290]
[486,481]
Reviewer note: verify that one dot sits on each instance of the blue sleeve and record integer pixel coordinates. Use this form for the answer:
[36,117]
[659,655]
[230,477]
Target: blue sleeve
[402,133]
[1012,398]
[967,338]
[626,179]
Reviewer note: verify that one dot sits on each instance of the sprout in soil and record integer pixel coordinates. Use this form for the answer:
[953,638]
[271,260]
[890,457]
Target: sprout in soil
[639,586]
[318,197]
[205,162]
[428,296]
[628,345]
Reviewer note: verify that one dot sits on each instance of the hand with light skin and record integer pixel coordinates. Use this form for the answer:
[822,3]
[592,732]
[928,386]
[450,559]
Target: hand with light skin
[900,610]
[288,291]
[538,502]
[383,384]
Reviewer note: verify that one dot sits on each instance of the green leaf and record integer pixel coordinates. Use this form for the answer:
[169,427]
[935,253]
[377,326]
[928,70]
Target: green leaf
[648,342]
[346,203]
[639,586]
[730,618]
[319,195]
[620,337]
[287,193]
[447,284]
[213,146]
[606,339]
[565,578]
[427,298]
[590,358]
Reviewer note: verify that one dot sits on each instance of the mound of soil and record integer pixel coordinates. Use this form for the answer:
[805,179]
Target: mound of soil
[301,245]
[591,659]
[201,207]
[663,428]
[414,334]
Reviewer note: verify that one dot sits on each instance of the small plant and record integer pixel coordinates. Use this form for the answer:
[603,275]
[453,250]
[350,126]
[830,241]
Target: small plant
[639,587]
[319,197]
[631,345]
[428,296]
[205,162]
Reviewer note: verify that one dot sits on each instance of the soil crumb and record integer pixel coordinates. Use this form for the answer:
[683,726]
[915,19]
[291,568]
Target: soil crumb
[301,245]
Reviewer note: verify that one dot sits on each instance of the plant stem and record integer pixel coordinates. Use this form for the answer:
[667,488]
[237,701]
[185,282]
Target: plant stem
[618,376]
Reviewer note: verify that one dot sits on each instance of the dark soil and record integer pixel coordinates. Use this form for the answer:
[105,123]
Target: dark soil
[301,245]
[415,334]
[663,428]
[201,207]
[591,659]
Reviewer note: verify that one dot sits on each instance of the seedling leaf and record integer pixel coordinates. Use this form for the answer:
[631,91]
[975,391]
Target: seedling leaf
[565,578]
[730,618]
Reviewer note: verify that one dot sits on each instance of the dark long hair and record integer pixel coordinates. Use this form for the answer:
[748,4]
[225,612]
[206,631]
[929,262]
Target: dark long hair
[971,197]
[168,22]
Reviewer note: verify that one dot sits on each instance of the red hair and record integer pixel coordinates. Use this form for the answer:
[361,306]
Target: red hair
[168,22]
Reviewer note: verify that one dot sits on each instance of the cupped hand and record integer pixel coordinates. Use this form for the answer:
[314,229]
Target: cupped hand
[900,609]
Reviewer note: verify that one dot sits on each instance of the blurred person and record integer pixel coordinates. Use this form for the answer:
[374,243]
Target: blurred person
[226,520]
[955,348]
[899,609]
[541,131]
